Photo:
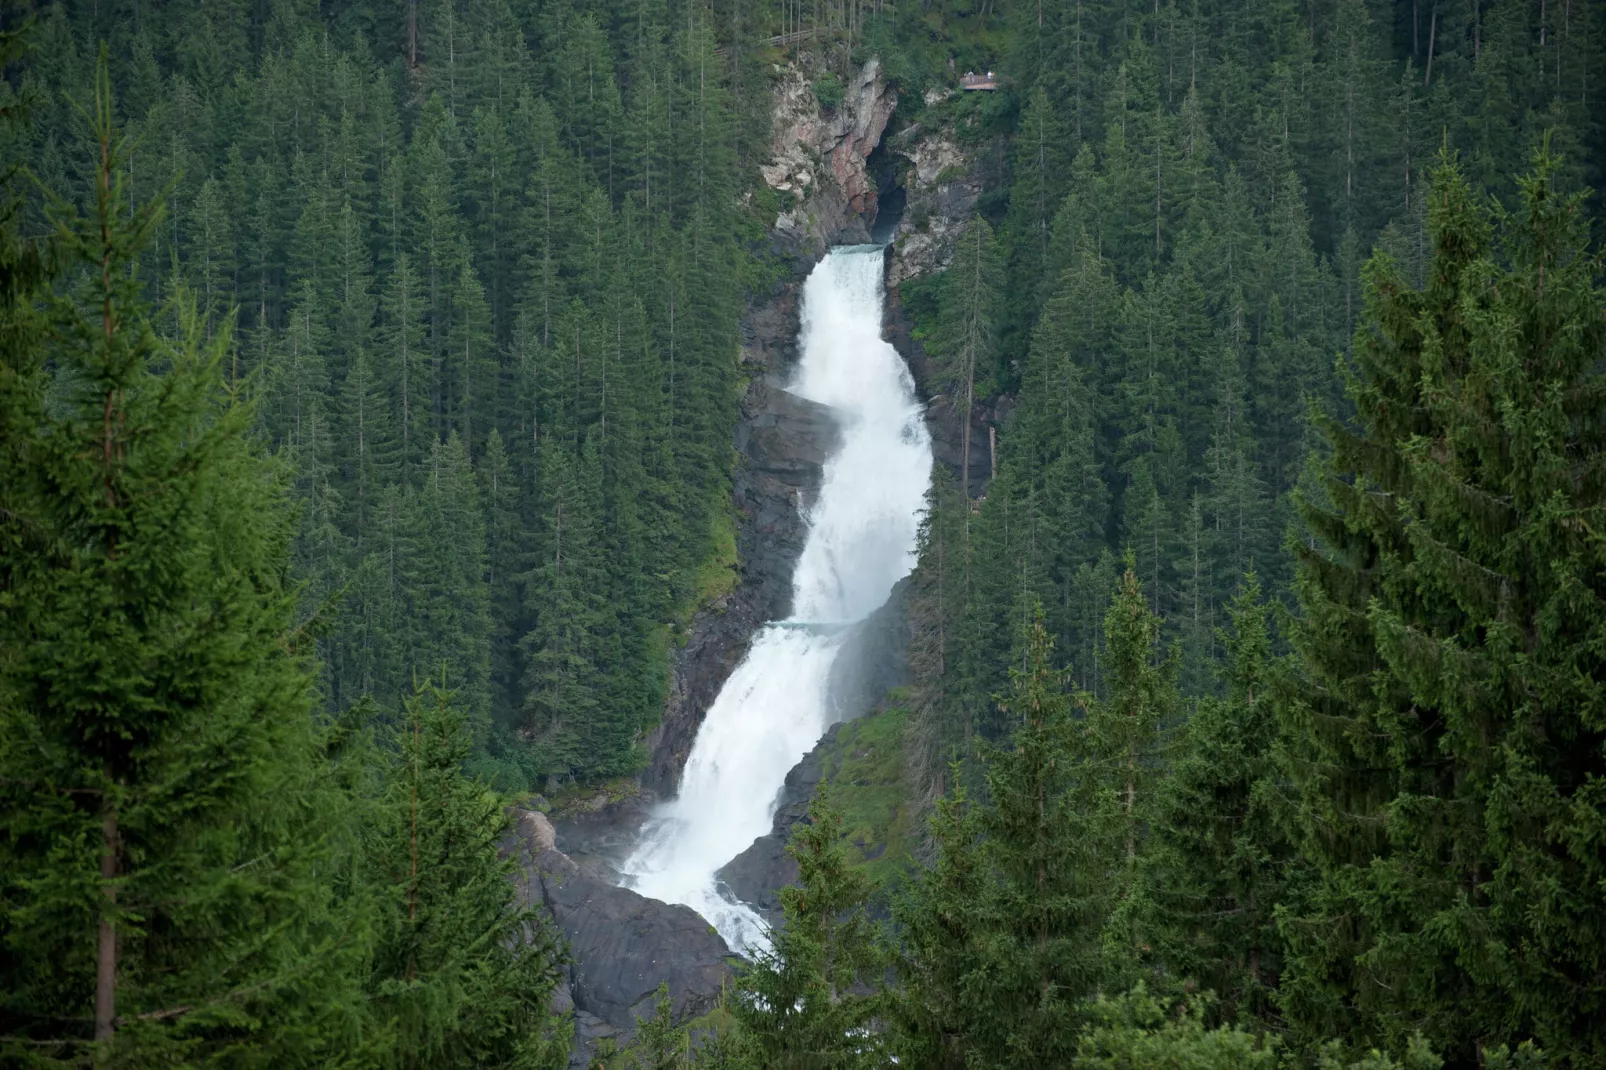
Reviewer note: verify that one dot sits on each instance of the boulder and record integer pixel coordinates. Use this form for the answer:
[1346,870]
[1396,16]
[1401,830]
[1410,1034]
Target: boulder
[623,945]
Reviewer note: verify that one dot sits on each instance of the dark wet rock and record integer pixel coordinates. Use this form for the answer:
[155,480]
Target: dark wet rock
[599,839]
[782,443]
[944,414]
[623,945]
[758,873]
[873,662]
[874,659]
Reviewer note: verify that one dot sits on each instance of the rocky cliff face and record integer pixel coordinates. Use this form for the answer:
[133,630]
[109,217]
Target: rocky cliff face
[944,176]
[943,181]
[781,443]
[819,164]
[829,198]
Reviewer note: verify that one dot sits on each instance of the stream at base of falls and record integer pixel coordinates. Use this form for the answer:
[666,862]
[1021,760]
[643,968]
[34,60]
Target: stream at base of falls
[862,535]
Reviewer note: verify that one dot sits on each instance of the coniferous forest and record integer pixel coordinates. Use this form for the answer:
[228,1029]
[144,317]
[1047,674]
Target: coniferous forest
[369,384]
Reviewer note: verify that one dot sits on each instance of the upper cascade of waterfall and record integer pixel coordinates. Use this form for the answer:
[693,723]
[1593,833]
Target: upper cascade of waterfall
[862,535]
[862,529]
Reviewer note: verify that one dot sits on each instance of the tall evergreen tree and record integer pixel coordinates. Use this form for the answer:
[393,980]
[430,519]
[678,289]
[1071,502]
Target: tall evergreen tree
[461,968]
[1046,848]
[813,998]
[1446,736]
[941,1001]
[1124,731]
[164,796]
[964,341]
[1219,860]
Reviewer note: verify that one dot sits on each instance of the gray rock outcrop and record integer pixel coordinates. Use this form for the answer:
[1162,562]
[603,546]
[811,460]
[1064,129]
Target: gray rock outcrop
[818,160]
[623,945]
[874,661]
[819,165]
[781,442]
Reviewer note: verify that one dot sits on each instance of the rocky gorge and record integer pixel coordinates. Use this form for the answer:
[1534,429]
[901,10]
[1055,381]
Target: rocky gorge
[833,171]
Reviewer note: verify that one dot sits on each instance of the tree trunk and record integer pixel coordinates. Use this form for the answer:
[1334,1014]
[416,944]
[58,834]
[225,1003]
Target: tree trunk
[106,957]
[1433,29]
[412,33]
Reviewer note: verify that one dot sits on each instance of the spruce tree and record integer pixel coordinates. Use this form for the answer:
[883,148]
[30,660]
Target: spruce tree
[939,1002]
[1219,861]
[964,341]
[659,1043]
[1049,840]
[1446,735]
[1124,731]
[444,575]
[163,790]
[813,998]
[462,972]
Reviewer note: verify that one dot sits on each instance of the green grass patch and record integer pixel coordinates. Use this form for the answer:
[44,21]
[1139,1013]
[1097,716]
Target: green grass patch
[717,576]
[579,797]
[865,771]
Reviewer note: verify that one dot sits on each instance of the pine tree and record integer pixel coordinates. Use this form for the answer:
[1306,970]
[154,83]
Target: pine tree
[462,972]
[1124,731]
[404,363]
[812,998]
[1047,848]
[472,376]
[211,256]
[504,558]
[964,342]
[366,446]
[164,793]
[565,593]
[444,578]
[1446,737]
[1219,861]
[939,1002]
[659,1044]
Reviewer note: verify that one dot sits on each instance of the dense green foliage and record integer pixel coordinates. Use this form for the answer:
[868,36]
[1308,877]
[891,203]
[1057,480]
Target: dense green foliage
[1162,287]
[1445,730]
[156,706]
[449,976]
[814,997]
[1283,303]
[487,259]
[198,867]
[1256,697]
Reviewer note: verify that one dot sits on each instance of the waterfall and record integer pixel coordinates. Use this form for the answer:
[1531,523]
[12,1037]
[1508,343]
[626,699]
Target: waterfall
[861,540]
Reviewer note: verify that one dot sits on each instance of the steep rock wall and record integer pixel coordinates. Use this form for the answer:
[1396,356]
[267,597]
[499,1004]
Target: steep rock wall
[623,943]
[819,159]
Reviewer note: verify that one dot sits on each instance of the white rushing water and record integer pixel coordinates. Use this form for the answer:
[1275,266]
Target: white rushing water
[861,541]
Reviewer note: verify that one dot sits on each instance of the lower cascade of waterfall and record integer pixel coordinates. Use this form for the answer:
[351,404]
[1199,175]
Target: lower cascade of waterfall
[862,533]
